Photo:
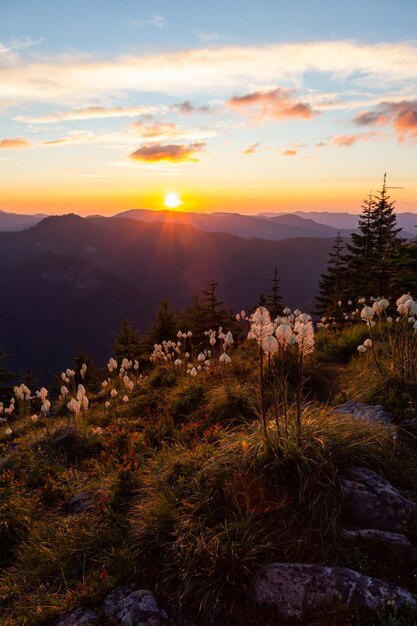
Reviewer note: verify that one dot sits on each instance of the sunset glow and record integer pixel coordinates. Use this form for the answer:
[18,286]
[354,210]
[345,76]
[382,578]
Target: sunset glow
[245,116]
[172,200]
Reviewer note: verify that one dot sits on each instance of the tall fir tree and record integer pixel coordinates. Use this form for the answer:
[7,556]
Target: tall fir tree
[6,378]
[273,299]
[163,327]
[127,344]
[332,285]
[372,252]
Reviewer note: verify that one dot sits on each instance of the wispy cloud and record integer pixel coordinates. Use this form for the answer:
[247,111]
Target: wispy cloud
[401,115]
[18,142]
[175,153]
[346,141]
[289,152]
[154,20]
[90,113]
[211,37]
[221,69]
[251,149]
[188,107]
[168,131]
[276,104]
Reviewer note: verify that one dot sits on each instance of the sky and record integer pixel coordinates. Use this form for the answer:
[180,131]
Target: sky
[244,106]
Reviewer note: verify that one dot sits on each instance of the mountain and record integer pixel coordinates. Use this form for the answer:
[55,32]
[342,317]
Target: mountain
[69,281]
[346,222]
[17,221]
[247,226]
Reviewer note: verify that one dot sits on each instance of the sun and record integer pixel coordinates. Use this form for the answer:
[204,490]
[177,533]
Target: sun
[172,200]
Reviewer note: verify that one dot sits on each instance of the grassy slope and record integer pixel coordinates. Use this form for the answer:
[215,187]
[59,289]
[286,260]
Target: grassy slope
[185,495]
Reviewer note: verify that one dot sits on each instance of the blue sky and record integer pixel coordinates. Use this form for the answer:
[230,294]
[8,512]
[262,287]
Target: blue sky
[234,105]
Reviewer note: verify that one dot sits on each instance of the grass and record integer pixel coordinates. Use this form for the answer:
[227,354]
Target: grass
[188,498]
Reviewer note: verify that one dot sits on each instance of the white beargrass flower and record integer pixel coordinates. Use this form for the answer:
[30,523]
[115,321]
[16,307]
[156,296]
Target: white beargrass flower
[367,313]
[8,432]
[113,393]
[361,349]
[34,418]
[125,398]
[368,343]
[225,358]
[269,344]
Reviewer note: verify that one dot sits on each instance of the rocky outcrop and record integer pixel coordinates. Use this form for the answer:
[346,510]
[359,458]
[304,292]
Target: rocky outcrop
[372,502]
[392,545]
[297,590]
[79,617]
[129,607]
[124,606]
[371,413]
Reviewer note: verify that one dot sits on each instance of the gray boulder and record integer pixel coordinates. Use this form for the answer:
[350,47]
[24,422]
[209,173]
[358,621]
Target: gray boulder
[129,607]
[79,617]
[372,502]
[371,413]
[297,590]
[393,545]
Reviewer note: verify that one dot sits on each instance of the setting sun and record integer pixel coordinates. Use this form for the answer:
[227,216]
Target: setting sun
[172,200]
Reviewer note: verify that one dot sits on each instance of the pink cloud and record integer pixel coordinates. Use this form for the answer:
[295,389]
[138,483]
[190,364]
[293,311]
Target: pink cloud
[276,104]
[175,153]
[6,144]
[402,116]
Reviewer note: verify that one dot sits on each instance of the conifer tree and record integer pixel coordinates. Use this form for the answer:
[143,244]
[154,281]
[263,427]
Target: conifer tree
[164,326]
[332,285]
[371,254]
[6,378]
[127,345]
[215,314]
[273,299]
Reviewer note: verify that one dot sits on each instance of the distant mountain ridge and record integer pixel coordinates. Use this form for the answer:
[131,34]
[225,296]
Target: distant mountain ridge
[270,226]
[71,280]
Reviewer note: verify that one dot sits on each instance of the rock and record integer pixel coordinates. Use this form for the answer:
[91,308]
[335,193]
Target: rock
[371,413]
[129,607]
[298,590]
[389,544]
[79,617]
[372,502]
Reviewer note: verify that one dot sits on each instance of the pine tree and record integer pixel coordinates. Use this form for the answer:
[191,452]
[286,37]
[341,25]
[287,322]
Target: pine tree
[386,240]
[163,327]
[127,345]
[216,315]
[332,285]
[372,251]
[6,378]
[273,299]
[359,258]
[92,378]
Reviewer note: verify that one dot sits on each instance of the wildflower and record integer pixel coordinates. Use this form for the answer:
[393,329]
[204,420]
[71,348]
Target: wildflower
[46,405]
[361,349]
[367,313]
[34,418]
[83,370]
[229,339]
[98,431]
[284,334]
[42,393]
[64,391]
[113,393]
[368,343]
[269,344]
[125,399]
[8,432]
[104,384]
[225,358]
[201,357]
[193,372]
[177,362]
[107,404]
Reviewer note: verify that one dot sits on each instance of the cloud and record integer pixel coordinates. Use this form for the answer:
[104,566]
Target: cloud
[188,107]
[154,20]
[251,149]
[90,113]
[168,131]
[289,153]
[401,115]
[345,141]
[222,69]
[175,153]
[275,104]
[6,144]
[211,37]
[320,144]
